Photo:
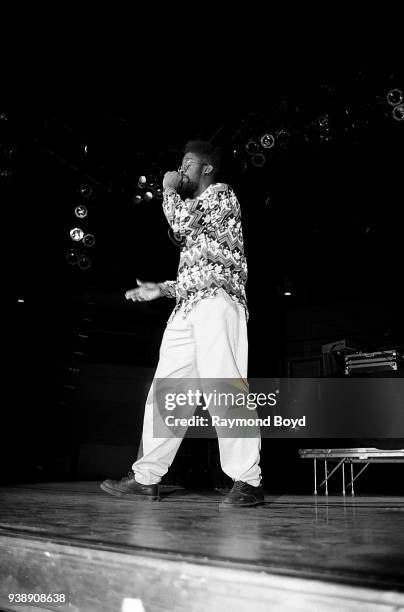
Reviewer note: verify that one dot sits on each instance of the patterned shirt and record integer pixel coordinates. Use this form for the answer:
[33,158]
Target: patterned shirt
[212,252]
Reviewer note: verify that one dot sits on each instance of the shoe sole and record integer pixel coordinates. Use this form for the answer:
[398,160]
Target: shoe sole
[250,505]
[130,495]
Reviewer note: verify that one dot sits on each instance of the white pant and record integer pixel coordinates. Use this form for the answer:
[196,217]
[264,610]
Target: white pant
[211,342]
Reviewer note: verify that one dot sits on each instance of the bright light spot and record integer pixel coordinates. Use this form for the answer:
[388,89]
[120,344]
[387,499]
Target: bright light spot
[85,190]
[267,141]
[81,211]
[76,234]
[132,605]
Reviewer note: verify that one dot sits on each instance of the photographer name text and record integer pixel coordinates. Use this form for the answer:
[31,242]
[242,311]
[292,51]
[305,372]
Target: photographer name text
[216,421]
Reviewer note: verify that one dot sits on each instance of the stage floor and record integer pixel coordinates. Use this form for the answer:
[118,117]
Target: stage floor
[187,553]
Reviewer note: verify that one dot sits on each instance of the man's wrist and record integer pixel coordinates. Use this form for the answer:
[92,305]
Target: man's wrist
[162,289]
[166,289]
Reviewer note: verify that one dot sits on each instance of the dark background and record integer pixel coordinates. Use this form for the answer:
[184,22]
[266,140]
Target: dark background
[322,217]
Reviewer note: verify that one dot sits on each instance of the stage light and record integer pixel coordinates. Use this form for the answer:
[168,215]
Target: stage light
[148,196]
[89,240]
[5,173]
[76,234]
[252,147]
[398,112]
[286,288]
[258,160]
[267,141]
[137,198]
[158,193]
[141,183]
[81,211]
[3,117]
[394,97]
[72,258]
[85,190]
[84,262]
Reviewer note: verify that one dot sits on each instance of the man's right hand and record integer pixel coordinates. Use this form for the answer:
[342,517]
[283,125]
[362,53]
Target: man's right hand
[144,293]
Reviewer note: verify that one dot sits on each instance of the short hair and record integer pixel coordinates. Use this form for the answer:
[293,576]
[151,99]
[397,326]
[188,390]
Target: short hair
[206,151]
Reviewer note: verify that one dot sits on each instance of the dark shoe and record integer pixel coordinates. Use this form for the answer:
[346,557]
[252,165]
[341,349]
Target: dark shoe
[243,494]
[128,487]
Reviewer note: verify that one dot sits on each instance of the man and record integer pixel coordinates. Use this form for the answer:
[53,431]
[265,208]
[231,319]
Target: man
[206,334]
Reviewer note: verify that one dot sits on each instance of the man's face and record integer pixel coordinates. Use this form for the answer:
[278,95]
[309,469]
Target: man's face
[192,167]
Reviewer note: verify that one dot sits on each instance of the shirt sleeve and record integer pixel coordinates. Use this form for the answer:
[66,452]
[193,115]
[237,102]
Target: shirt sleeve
[211,208]
[167,288]
[181,215]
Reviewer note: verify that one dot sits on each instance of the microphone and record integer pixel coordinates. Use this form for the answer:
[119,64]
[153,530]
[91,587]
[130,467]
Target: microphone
[180,186]
[185,179]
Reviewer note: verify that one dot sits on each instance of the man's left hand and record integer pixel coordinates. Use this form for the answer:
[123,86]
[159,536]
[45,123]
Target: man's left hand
[172,179]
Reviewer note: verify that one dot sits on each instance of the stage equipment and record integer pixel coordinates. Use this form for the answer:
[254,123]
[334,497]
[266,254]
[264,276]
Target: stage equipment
[333,356]
[394,97]
[267,141]
[89,240]
[348,455]
[398,112]
[371,363]
[76,234]
[81,211]
[84,262]
[258,160]
[252,147]
[72,258]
